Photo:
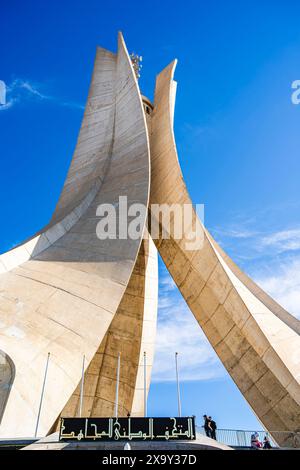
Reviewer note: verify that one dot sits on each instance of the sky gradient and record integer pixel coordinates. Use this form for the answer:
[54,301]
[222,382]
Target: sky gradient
[237,133]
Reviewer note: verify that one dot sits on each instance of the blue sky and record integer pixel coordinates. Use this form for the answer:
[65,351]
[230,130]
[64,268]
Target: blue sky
[237,134]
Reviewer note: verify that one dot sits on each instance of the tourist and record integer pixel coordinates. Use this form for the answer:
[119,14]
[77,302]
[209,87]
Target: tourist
[212,426]
[255,442]
[206,426]
[267,443]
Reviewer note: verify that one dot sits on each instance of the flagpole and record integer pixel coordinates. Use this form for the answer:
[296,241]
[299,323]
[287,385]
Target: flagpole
[42,396]
[117,386]
[81,387]
[145,385]
[178,386]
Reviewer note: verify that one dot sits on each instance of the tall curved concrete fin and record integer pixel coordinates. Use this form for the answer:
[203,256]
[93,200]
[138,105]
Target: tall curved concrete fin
[60,291]
[148,333]
[131,333]
[255,339]
[94,145]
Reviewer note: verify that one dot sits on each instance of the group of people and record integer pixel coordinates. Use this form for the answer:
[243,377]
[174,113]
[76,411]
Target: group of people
[257,444]
[210,427]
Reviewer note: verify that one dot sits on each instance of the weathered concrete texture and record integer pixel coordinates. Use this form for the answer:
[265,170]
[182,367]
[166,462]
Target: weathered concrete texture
[254,337]
[95,141]
[63,299]
[52,442]
[132,332]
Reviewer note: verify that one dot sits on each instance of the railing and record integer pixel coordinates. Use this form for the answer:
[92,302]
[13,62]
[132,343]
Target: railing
[17,443]
[242,438]
[232,437]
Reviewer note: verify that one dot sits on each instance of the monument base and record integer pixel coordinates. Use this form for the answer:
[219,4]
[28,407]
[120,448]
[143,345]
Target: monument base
[52,442]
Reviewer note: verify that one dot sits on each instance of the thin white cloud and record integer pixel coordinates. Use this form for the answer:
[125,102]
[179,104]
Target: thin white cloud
[20,91]
[195,129]
[272,258]
[283,284]
[254,243]
[167,284]
[236,232]
[284,240]
[178,331]
[30,88]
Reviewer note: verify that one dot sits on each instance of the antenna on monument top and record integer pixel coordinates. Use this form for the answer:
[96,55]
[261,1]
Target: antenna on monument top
[136,62]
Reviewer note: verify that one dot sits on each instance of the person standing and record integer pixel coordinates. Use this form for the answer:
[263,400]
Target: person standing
[267,443]
[213,427]
[206,426]
[255,442]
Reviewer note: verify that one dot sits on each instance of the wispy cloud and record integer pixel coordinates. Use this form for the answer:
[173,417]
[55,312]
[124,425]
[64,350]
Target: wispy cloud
[167,284]
[195,130]
[258,238]
[236,232]
[22,91]
[270,256]
[21,84]
[284,240]
[282,282]
[178,331]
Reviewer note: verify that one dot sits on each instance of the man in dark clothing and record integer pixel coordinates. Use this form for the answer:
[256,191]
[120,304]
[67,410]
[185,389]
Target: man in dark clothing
[212,426]
[267,443]
[206,426]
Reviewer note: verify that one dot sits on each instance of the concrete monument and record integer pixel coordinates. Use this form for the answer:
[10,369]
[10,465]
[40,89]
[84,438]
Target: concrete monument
[69,293]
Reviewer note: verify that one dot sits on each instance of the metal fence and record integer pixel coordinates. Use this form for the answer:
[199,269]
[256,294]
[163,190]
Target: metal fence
[242,438]
[232,437]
